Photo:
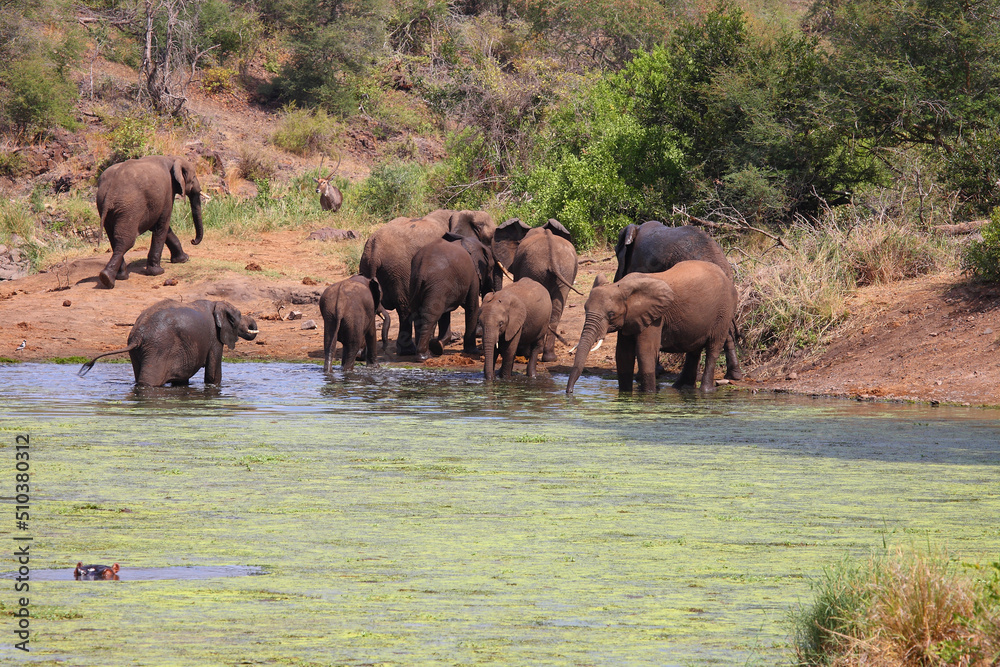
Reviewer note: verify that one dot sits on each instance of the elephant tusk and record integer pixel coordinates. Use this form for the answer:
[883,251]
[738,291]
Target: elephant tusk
[506,272]
[253,331]
[573,349]
[599,343]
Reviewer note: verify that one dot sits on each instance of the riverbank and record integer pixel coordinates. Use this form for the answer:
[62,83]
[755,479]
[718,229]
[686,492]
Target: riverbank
[930,339]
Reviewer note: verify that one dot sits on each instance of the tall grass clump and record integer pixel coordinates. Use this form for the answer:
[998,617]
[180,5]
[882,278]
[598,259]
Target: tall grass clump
[901,609]
[982,257]
[793,295]
[304,131]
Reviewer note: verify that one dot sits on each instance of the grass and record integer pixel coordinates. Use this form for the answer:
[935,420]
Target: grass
[903,608]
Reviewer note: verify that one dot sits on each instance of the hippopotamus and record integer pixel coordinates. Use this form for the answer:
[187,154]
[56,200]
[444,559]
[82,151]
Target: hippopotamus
[95,572]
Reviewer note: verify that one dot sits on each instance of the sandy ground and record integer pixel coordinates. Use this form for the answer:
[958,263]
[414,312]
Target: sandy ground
[931,339]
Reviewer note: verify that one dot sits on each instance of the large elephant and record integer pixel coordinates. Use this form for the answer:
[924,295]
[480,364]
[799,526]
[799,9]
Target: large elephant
[544,254]
[687,309]
[514,321]
[451,272]
[349,309]
[389,252]
[653,247]
[170,341]
[136,196]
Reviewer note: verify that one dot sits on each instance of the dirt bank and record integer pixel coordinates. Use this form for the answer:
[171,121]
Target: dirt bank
[929,339]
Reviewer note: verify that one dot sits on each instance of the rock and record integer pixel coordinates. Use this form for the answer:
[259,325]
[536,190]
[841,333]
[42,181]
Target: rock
[309,324]
[792,376]
[253,266]
[295,315]
[987,331]
[14,264]
[331,234]
[67,303]
[720,383]
[309,281]
[170,282]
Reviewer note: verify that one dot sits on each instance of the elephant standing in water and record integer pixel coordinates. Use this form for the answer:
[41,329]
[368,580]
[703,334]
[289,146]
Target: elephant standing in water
[514,321]
[546,255]
[653,247]
[170,341]
[136,196]
[389,252]
[686,309]
[349,309]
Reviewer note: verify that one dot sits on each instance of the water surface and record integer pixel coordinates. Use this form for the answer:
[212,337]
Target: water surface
[412,516]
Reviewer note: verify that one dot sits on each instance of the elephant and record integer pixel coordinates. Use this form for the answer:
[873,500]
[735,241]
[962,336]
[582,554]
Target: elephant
[544,254]
[389,252]
[136,196]
[349,309]
[653,247]
[686,309]
[450,272]
[514,321]
[171,340]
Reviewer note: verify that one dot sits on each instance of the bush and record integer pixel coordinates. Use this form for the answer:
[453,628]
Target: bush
[255,163]
[304,131]
[901,609]
[217,80]
[130,137]
[35,97]
[982,258]
[393,189]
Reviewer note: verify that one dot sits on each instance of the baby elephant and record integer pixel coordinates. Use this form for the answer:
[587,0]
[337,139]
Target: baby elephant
[514,321]
[171,341]
[349,308]
[95,572]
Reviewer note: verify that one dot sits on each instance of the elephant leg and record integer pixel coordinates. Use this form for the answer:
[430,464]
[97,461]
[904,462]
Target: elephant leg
[712,351]
[177,254]
[404,339]
[733,370]
[153,267]
[471,320]
[351,349]
[648,352]
[423,327]
[549,351]
[371,351]
[329,344]
[689,374]
[213,365]
[533,355]
[509,352]
[436,345]
[117,267]
[625,361]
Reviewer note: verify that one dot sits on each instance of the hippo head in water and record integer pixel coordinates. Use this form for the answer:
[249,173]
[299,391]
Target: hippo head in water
[95,572]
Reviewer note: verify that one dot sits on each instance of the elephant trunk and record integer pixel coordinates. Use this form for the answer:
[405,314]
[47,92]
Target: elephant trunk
[248,328]
[490,336]
[199,229]
[594,330]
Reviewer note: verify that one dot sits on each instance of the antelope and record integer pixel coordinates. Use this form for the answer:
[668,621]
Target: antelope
[330,197]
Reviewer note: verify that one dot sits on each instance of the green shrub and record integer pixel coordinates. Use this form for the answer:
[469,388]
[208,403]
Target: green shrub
[982,258]
[393,189]
[130,137]
[35,96]
[255,163]
[217,80]
[12,163]
[304,131]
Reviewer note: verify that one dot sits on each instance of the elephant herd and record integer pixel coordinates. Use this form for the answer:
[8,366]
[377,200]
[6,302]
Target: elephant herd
[673,291]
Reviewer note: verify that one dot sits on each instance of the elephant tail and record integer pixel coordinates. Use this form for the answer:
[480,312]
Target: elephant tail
[734,331]
[100,226]
[384,314]
[559,337]
[558,276]
[90,364]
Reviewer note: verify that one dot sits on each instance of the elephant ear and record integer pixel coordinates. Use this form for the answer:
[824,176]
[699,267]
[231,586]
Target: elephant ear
[647,299]
[506,239]
[557,228]
[601,279]
[227,323]
[376,291]
[624,248]
[177,174]
[516,315]
[450,236]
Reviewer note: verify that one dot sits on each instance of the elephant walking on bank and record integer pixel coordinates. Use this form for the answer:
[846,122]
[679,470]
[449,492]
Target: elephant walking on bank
[449,273]
[687,309]
[349,309]
[546,255]
[515,321]
[136,196]
[389,252]
[170,341]
[653,247]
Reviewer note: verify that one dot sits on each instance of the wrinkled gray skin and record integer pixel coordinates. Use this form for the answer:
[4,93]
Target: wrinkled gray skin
[514,321]
[170,341]
[544,254]
[449,273]
[687,309]
[349,309]
[653,247]
[136,196]
[389,252]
